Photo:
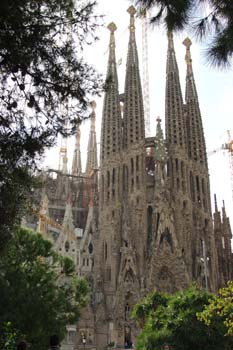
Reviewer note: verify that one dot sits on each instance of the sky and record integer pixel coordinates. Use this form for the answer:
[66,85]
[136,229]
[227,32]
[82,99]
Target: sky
[214,87]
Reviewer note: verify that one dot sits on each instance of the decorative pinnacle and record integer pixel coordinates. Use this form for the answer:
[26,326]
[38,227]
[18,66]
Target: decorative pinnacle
[93,105]
[131,10]
[187,43]
[215,203]
[224,209]
[112,27]
[158,119]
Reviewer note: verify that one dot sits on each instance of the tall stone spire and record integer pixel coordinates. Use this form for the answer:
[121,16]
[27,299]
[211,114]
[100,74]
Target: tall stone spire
[77,163]
[196,140]
[160,157]
[64,163]
[217,222]
[111,119]
[175,123]
[227,237]
[68,221]
[195,134]
[44,211]
[134,130]
[160,146]
[224,215]
[92,162]
[215,203]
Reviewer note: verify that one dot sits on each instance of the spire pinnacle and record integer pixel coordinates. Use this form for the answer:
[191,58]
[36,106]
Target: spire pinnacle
[112,27]
[132,11]
[68,217]
[93,115]
[134,129]
[187,43]
[93,105]
[160,147]
[224,215]
[112,57]
[77,164]
[215,203]
[174,116]
[92,162]
[111,119]
[196,146]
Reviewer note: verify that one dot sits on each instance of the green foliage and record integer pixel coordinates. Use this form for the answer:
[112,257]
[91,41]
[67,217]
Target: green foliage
[142,310]
[172,320]
[44,81]
[220,306]
[8,337]
[213,22]
[40,293]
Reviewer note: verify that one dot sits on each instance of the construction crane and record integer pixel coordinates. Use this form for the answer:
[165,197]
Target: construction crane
[63,159]
[228,146]
[145,71]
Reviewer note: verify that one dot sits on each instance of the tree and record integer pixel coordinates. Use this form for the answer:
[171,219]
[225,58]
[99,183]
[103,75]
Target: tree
[221,305]
[172,320]
[209,19]
[44,82]
[40,293]
[8,336]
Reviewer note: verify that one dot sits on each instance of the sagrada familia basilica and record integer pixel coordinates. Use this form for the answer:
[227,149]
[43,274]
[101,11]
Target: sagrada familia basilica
[141,219]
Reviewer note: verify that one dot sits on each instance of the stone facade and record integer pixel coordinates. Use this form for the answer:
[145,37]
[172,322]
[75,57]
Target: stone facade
[155,222]
[145,218]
